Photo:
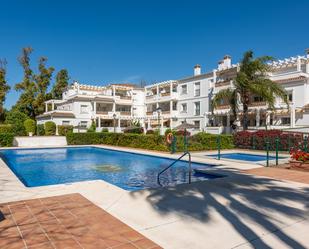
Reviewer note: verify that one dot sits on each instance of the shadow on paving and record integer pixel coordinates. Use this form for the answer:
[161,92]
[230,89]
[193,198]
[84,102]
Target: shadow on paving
[245,196]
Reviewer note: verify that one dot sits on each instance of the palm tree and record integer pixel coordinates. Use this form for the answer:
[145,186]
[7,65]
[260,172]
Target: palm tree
[251,80]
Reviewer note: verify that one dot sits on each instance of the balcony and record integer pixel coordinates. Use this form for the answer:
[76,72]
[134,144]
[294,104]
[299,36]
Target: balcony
[162,97]
[123,113]
[223,83]
[257,103]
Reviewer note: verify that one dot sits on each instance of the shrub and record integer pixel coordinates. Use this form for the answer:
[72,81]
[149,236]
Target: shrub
[64,129]
[299,155]
[30,126]
[50,128]
[17,119]
[40,130]
[92,127]
[150,132]
[134,130]
[104,130]
[201,141]
[6,128]
[169,130]
[182,133]
[6,139]
[257,140]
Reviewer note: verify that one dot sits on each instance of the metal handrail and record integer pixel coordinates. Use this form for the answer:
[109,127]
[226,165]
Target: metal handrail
[190,169]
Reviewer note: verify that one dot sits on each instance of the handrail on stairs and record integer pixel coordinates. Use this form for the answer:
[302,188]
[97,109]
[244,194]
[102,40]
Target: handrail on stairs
[190,169]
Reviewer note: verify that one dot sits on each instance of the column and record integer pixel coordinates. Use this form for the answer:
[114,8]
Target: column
[118,129]
[171,106]
[268,119]
[149,124]
[161,126]
[257,118]
[292,116]
[114,107]
[171,123]
[99,122]
[157,90]
[228,120]
[298,64]
[46,107]
[53,105]
[95,107]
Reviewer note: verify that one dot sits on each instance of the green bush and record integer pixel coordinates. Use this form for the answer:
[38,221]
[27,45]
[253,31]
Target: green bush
[92,127]
[6,128]
[50,128]
[64,129]
[40,130]
[17,119]
[30,126]
[200,141]
[104,130]
[134,130]
[6,139]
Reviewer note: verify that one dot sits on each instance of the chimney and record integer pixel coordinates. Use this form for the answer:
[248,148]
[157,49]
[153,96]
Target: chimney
[197,70]
[307,52]
[227,61]
[220,65]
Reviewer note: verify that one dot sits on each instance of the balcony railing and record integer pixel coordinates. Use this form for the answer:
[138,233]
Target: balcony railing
[223,83]
[125,113]
[102,112]
[125,97]
[258,103]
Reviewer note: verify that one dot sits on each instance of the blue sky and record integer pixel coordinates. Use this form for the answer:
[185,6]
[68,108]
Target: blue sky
[125,41]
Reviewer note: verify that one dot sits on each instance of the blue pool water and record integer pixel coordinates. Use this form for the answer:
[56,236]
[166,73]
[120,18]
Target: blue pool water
[244,157]
[130,171]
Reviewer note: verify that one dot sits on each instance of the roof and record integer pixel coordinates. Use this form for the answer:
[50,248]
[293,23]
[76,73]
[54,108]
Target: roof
[57,114]
[290,79]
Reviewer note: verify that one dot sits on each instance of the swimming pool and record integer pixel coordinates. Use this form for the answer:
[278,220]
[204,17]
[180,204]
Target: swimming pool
[130,171]
[244,157]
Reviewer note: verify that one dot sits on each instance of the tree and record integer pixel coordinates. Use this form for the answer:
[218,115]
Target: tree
[251,80]
[16,119]
[33,86]
[61,84]
[4,87]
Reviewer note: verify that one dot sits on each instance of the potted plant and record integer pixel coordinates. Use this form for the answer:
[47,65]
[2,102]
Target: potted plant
[299,159]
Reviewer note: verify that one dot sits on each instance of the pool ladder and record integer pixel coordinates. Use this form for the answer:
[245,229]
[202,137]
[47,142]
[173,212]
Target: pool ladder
[190,169]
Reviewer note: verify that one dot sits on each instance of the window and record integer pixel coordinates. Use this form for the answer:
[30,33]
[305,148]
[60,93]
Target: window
[184,89]
[174,106]
[184,107]
[83,109]
[83,124]
[197,124]
[65,122]
[197,108]
[257,99]
[197,89]
[289,96]
[285,121]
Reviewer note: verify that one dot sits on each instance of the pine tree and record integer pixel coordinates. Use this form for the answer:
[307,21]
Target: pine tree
[61,84]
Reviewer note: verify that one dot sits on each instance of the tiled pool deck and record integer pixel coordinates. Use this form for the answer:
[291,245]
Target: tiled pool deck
[67,221]
[242,210]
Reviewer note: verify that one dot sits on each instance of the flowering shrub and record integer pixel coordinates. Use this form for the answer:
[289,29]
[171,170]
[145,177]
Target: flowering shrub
[299,155]
[257,140]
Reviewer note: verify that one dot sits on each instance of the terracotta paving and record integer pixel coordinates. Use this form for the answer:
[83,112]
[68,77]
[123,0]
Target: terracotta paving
[281,174]
[67,221]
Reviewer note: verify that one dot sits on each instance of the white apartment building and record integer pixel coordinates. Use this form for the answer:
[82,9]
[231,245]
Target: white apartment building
[112,107]
[169,103]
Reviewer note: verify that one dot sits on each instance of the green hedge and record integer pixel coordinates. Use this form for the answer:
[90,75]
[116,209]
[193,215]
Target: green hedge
[40,130]
[6,128]
[50,128]
[64,129]
[200,141]
[30,126]
[6,139]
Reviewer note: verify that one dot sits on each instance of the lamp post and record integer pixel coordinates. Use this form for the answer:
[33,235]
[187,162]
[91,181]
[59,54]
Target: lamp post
[159,110]
[114,116]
